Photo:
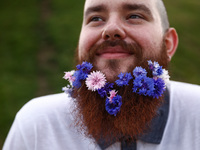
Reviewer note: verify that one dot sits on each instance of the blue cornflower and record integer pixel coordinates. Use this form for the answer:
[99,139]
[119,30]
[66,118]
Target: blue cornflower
[158,71]
[79,75]
[137,83]
[77,83]
[139,71]
[159,87]
[84,70]
[124,79]
[113,106]
[143,85]
[150,64]
[155,68]
[88,66]
[84,66]
[142,91]
[104,90]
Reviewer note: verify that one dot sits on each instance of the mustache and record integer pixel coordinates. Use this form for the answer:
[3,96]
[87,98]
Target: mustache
[132,48]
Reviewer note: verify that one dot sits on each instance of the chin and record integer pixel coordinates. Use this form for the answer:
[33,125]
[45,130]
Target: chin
[113,68]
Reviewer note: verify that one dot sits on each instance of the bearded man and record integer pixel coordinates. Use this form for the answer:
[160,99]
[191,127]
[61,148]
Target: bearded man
[118,38]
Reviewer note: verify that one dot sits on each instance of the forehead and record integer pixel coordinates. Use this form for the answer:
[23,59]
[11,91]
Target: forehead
[117,4]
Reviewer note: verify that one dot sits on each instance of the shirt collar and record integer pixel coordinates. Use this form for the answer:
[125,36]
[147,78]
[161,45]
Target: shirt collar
[157,127]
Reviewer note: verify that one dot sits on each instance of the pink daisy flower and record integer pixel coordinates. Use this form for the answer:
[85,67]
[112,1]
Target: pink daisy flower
[69,76]
[95,80]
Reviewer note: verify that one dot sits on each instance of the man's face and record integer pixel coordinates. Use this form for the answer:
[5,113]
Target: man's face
[134,22]
[116,36]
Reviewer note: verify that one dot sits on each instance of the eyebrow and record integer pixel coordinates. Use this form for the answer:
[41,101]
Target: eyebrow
[129,7]
[98,8]
[139,7]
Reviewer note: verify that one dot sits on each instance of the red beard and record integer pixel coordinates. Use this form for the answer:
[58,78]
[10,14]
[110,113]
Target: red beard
[136,111]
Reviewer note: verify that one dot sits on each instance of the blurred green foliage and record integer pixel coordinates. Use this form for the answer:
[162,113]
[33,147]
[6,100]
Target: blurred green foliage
[38,39]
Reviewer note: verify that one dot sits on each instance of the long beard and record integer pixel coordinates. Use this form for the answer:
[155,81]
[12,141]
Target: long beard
[135,114]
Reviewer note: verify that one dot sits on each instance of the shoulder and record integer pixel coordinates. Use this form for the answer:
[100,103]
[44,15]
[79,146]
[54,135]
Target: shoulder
[56,104]
[184,90]
[184,97]
[183,119]
[53,100]
[38,120]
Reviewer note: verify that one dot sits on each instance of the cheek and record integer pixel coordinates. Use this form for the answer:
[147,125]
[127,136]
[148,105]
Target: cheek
[149,40]
[87,39]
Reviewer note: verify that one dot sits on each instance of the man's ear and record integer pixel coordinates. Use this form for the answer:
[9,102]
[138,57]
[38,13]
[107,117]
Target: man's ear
[171,42]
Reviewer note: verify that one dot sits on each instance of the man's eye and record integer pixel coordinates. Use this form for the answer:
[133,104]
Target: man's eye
[134,17]
[96,19]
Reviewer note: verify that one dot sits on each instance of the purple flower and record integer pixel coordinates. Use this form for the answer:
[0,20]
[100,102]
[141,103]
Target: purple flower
[106,89]
[139,71]
[78,77]
[81,73]
[124,79]
[83,70]
[150,63]
[155,68]
[113,106]
[84,66]
[159,87]
[95,80]
[158,71]
[143,85]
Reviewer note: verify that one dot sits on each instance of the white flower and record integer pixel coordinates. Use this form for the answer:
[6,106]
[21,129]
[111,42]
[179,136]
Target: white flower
[165,76]
[66,89]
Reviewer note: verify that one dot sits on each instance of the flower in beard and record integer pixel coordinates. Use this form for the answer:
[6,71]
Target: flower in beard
[67,89]
[143,85]
[69,76]
[165,76]
[139,71]
[112,95]
[81,73]
[124,79]
[113,105]
[150,64]
[104,90]
[83,70]
[95,80]
[78,77]
[84,66]
[159,87]
[155,68]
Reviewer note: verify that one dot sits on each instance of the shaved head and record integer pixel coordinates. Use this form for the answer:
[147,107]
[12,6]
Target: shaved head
[163,14]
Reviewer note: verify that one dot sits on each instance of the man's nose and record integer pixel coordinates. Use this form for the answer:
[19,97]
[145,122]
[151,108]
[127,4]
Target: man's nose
[113,31]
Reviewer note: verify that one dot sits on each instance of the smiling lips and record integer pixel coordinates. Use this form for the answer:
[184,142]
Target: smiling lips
[113,53]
